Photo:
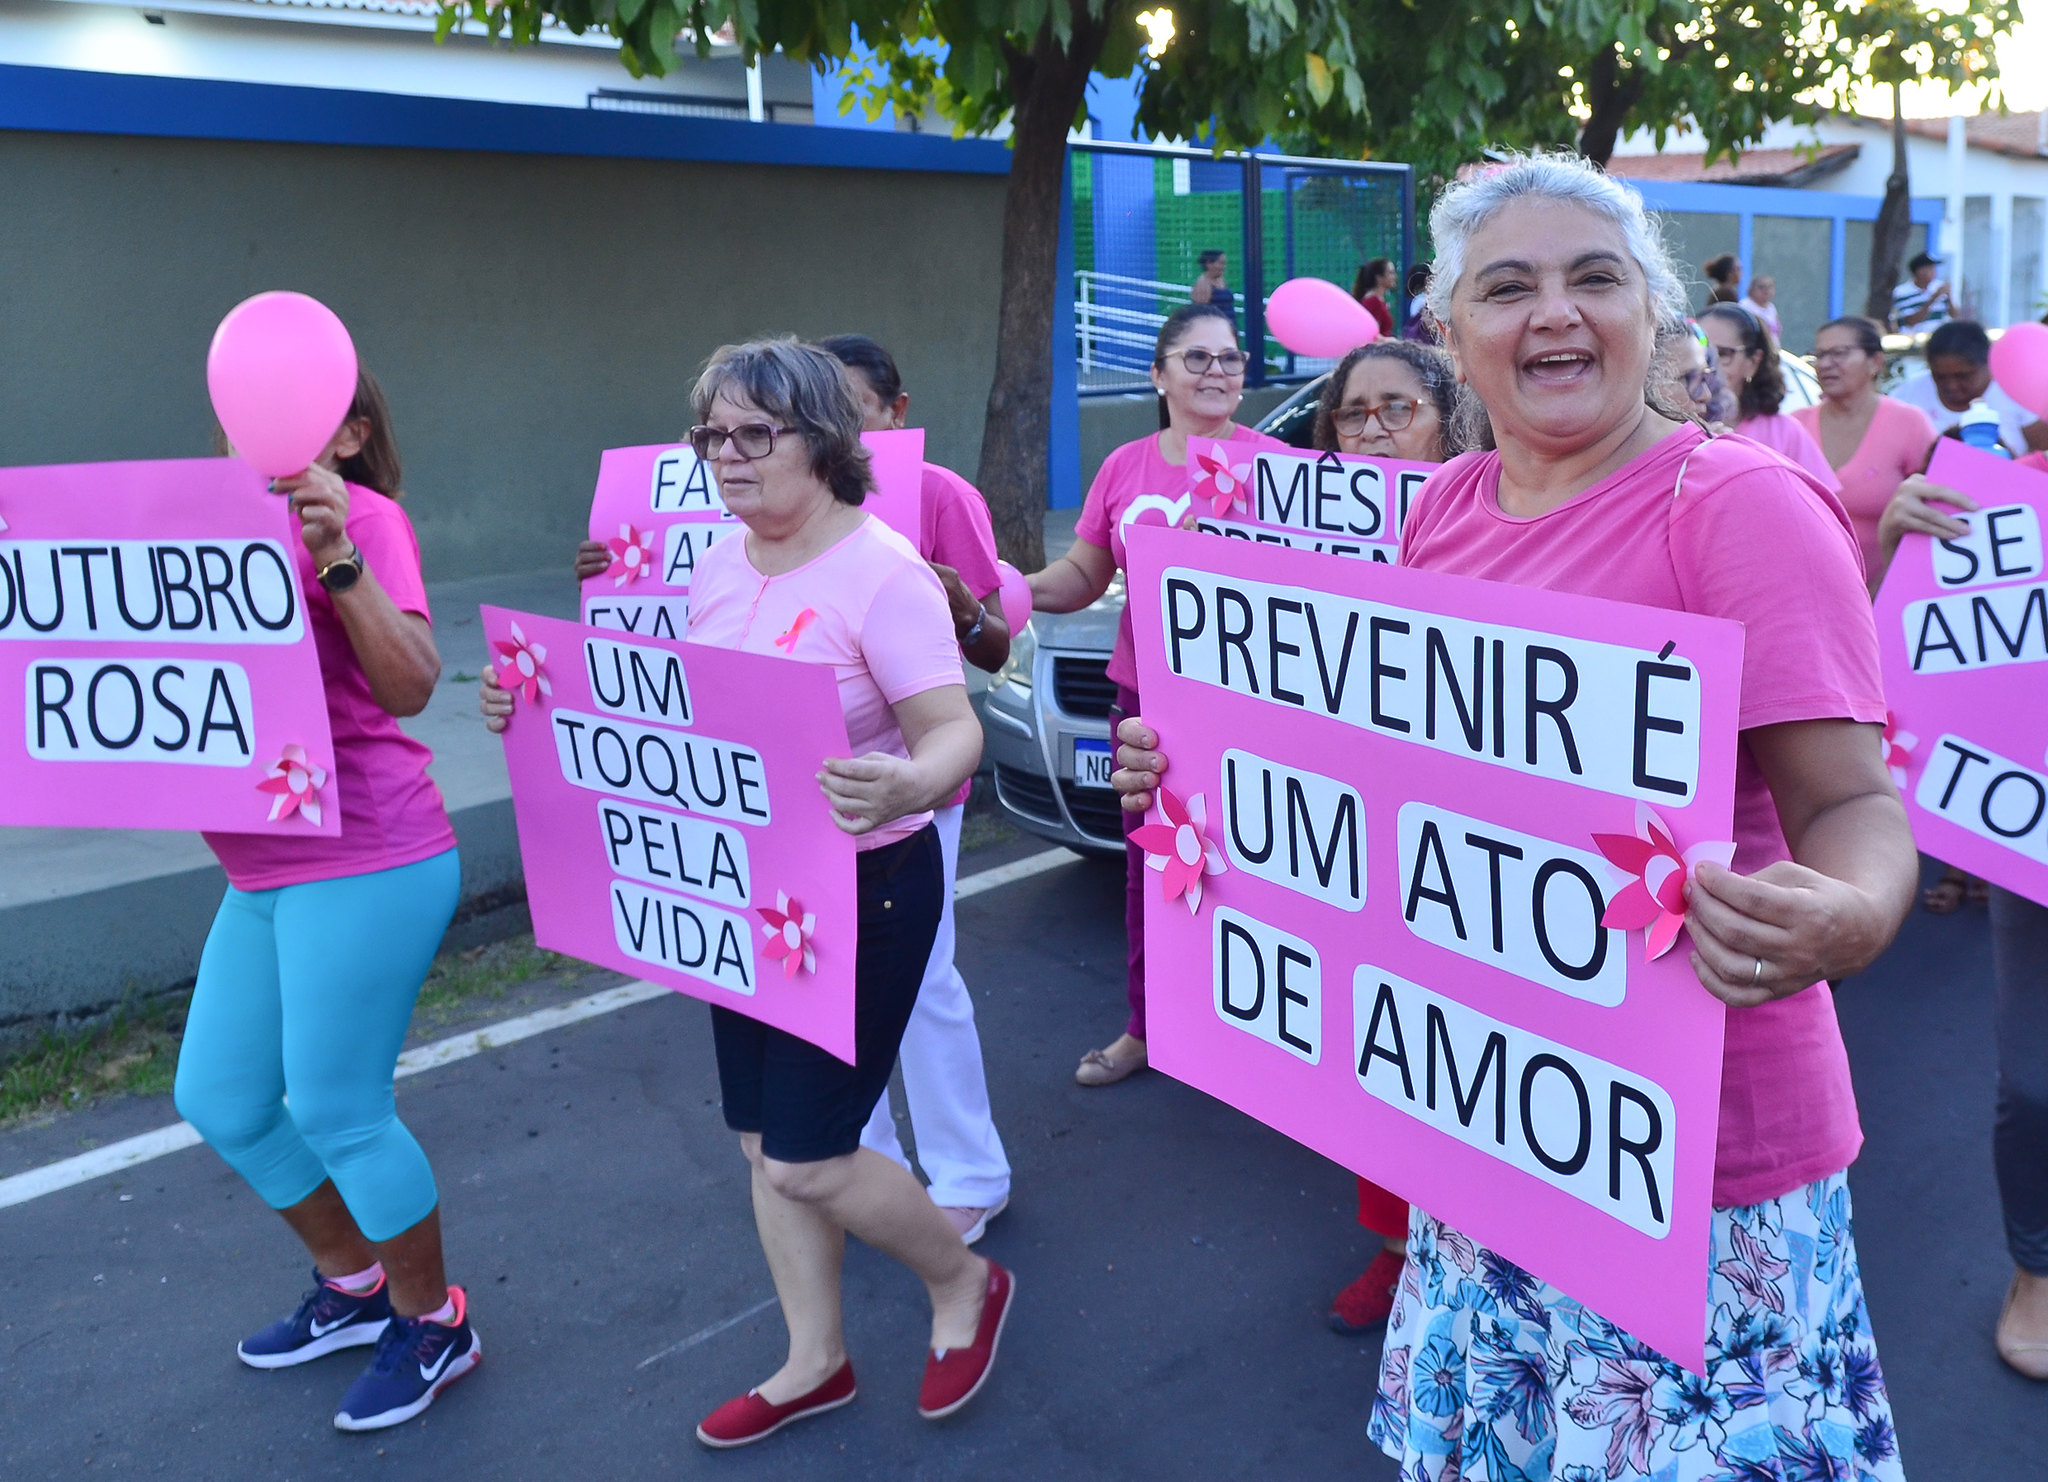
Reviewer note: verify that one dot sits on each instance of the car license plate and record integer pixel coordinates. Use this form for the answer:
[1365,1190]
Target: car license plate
[1092,763]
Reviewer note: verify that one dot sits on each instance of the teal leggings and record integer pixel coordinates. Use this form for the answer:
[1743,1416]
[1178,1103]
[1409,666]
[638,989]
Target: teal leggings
[302,1004]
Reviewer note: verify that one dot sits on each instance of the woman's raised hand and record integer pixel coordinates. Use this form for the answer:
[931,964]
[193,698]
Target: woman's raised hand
[495,703]
[320,500]
[1139,764]
[592,557]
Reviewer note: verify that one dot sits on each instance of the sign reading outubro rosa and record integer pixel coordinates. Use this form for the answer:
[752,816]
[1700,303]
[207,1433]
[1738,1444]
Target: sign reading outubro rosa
[670,819]
[657,510]
[156,666]
[1963,628]
[1418,874]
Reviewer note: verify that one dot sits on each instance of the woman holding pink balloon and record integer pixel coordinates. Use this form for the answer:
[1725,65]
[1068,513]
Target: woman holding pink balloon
[307,982]
[1198,369]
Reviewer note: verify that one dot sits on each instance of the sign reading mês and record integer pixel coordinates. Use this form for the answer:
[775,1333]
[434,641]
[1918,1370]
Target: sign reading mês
[156,664]
[1411,808]
[1334,503]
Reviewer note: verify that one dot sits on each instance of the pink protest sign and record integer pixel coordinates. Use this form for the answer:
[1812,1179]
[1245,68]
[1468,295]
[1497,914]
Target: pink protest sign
[657,510]
[1336,503]
[1963,628]
[156,666]
[1410,895]
[670,820]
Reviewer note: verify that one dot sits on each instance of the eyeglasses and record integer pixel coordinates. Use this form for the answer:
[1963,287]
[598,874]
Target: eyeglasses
[750,440]
[1395,413]
[1230,362]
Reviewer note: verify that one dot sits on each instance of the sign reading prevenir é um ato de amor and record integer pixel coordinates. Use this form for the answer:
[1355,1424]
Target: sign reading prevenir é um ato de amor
[1410,900]
[670,819]
[156,666]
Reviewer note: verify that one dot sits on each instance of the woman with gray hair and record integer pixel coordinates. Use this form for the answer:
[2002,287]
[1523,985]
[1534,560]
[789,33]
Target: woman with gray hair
[1553,291]
[817,579]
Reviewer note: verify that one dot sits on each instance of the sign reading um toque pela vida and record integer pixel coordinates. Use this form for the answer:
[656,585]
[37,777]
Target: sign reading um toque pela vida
[1408,889]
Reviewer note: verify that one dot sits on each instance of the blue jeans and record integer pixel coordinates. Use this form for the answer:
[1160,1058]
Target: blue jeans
[303,1000]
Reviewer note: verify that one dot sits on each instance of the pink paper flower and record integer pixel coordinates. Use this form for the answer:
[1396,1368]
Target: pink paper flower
[1655,898]
[296,780]
[521,666]
[1898,749]
[632,555]
[1220,483]
[787,641]
[1180,849]
[789,928]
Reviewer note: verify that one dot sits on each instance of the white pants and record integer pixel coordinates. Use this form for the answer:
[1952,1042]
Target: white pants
[942,1074]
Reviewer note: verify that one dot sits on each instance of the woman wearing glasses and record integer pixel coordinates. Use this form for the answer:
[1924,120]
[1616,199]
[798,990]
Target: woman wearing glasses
[781,427]
[1198,370]
[1872,442]
[1748,358]
[1388,399]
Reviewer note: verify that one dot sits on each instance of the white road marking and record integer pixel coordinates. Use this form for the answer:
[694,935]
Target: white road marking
[130,1151]
[704,1335]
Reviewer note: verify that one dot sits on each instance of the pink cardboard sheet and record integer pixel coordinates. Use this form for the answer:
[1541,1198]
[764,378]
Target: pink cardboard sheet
[1335,503]
[670,820]
[156,666]
[1401,900]
[657,509]
[1963,629]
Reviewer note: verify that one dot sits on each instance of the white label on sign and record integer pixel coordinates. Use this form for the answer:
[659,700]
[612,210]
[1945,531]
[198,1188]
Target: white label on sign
[156,709]
[650,617]
[1514,901]
[650,764]
[1973,787]
[632,679]
[683,484]
[683,546]
[2004,544]
[1602,1134]
[684,935]
[1268,983]
[677,851]
[1984,630]
[1301,830]
[1357,550]
[148,591]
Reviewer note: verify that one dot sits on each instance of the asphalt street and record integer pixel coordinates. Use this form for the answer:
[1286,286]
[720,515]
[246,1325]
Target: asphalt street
[1173,1258]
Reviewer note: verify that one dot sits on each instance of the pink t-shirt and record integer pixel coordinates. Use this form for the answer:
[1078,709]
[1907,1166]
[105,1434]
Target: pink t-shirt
[391,812]
[1749,537]
[1133,480]
[954,530]
[869,607]
[1895,445]
[1788,439]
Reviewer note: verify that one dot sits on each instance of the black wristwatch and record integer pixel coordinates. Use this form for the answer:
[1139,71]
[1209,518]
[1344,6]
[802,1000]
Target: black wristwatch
[339,576]
[973,635]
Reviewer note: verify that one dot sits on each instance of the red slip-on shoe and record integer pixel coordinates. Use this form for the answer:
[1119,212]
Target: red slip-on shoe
[954,1376]
[1368,1301]
[750,1418]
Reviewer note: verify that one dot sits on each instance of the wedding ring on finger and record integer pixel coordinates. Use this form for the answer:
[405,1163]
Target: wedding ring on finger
[1756,978]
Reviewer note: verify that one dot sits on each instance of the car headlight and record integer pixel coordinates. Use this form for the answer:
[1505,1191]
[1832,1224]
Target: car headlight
[1012,683]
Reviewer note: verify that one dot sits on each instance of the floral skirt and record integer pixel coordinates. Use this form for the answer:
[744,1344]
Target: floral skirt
[1491,1375]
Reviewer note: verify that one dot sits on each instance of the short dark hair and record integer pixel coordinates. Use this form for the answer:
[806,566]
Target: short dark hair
[1214,254]
[1922,260]
[1720,268]
[1963,337]
[1432,368]
[1869,337]
[876,365]
[806,390]
[1765,392]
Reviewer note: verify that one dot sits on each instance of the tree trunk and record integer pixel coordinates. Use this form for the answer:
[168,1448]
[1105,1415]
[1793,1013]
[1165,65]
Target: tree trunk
[1894,224]
[1611,97]
[1017,431]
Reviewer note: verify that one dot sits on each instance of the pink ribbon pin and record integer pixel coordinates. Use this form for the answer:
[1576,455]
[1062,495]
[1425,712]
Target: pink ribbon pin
[787,641]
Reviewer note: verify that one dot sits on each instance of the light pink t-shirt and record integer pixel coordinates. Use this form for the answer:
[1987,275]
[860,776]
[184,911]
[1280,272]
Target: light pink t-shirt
[1126,477]
[954,530]
[877,615]
[1748,537]
[1895,445]
[391,812]
[1785,437]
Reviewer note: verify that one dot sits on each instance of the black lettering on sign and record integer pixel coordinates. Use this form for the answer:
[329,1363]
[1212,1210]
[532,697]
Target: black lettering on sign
[1992,796]
[1977,630]
[193,591]
[105,710]
[1321,819]
[685,936]
[676,851]
[654,764]
[1565,1103]
[1268,984]
[631,679]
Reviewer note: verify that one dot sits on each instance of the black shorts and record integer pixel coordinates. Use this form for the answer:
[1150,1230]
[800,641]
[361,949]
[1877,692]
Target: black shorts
[807,1103]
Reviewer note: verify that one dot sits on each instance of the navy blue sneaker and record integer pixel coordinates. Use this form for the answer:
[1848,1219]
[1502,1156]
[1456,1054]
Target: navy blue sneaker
[416,1360]
[328,1318]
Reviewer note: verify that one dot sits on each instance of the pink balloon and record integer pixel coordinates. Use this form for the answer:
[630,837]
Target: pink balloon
[1016,597]
[282,373]
[1314,317]
[2019,363]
